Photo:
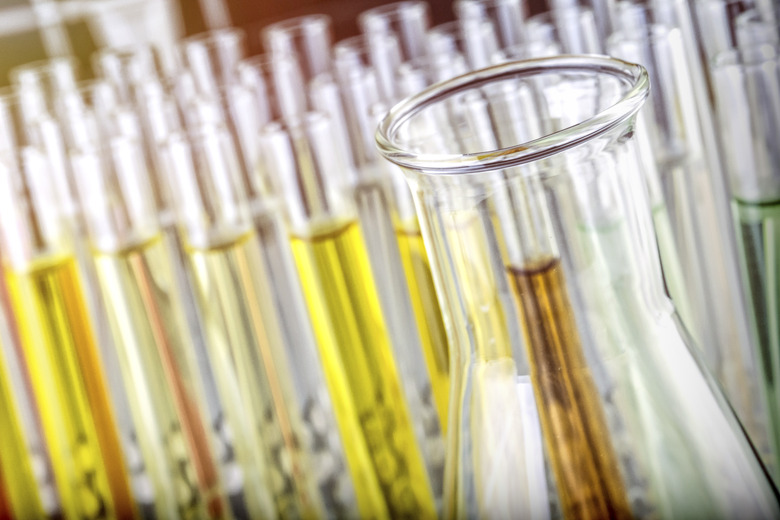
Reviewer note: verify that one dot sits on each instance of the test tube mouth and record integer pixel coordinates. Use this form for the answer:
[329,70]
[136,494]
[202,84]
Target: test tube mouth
[61,71]
[393,148]
[307,25]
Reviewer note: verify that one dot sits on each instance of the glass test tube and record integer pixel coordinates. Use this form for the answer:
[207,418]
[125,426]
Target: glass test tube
[243,329]
[489,26]
[446,51]
[155,350]
[212,59]
[384,204]
[160,119]
[324,447]
[307,39]
[572,28]
[51,106]
[341,294]
[61,353]
[747,83]
[23,494]
[395,34]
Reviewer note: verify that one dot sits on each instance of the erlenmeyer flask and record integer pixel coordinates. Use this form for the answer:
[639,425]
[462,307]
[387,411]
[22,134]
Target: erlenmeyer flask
[597,407]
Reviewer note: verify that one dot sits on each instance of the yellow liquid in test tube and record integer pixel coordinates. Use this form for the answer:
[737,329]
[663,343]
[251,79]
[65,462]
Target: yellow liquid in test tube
[339,289]
[70,390]
[150,333]
[21,489]
[428,313]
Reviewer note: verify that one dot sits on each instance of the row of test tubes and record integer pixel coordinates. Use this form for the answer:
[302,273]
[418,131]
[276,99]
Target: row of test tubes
[217,300]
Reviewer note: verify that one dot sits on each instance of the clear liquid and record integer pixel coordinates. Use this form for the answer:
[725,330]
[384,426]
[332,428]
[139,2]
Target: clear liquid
[70,390]
[22,489]
[243,333]
[342,298]
[428,314]
[575,431]
[758,230]
[150,334]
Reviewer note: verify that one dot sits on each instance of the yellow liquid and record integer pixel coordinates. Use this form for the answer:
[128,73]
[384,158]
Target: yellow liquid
[428,314]
[473,263]
[21,489]
[70,390]
[150,334]
[573,424]
[340,291]
[243,333]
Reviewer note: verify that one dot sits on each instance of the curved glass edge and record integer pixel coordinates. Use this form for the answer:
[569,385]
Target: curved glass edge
[520,153]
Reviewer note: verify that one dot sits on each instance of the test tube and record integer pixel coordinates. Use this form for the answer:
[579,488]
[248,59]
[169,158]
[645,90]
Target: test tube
[395,34]
[160,120]
[212,58]
[388,220]
[306,39]
[489,26]
[446,51]
[340,290]
[386,210]
[127,68]
[243,328]
[747,87]
[408,21]
[17,459]
[136,276]
[573,28]
[44,132]
[40,85]
[59,345]
[319,440]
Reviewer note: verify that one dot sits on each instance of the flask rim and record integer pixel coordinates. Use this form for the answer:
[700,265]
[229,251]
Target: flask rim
[521,153]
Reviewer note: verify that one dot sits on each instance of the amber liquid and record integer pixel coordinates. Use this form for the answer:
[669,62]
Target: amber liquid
[70,390]
[573,423]
[428,314]
[342,298]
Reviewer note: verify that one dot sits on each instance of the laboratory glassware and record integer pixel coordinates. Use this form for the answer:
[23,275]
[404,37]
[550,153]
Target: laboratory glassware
[691,213]
[747,88]
[598,407]
[138,283]
[244,336]
[355,346]
[326,449]
[59,345]
[16,456]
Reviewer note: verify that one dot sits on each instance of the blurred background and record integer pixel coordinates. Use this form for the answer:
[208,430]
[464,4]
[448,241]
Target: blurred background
[88,23]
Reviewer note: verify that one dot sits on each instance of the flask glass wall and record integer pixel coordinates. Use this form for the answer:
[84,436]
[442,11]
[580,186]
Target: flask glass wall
[573,390]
